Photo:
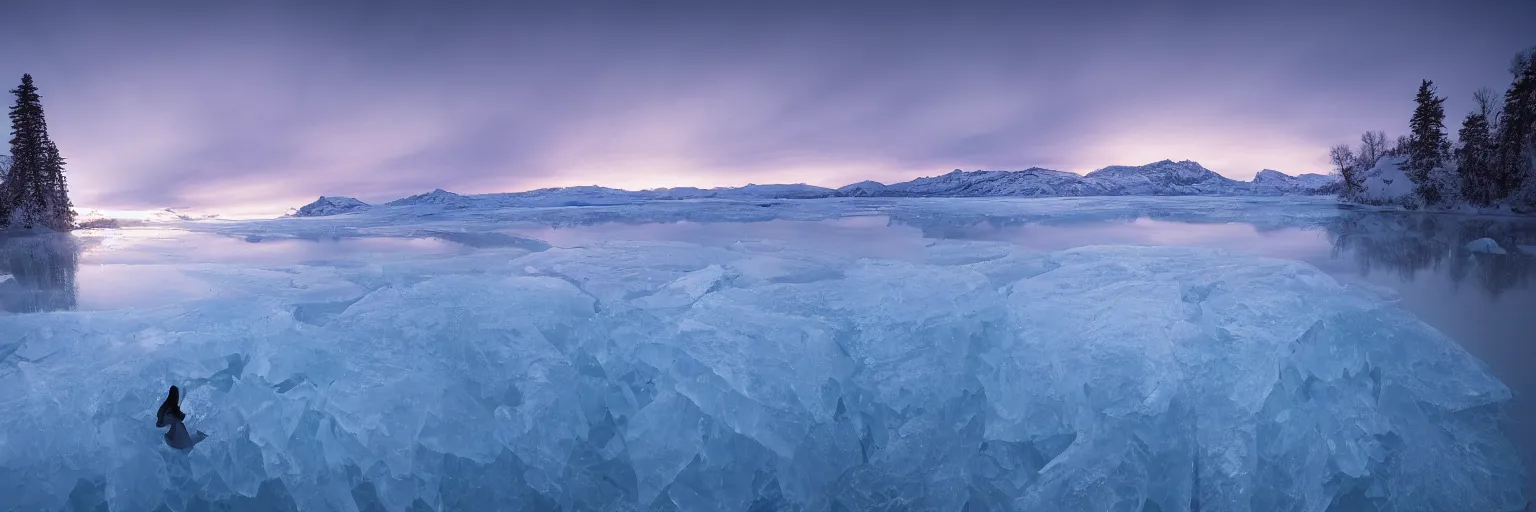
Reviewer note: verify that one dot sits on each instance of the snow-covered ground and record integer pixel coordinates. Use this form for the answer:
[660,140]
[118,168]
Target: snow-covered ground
[493,371]
[1387,183]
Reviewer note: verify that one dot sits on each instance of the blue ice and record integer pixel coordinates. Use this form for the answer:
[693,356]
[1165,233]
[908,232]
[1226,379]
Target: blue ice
[634,375]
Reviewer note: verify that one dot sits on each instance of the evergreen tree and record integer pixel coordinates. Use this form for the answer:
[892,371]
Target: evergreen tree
[1426,143]
[1517,129]
[34,194]
[1475,161]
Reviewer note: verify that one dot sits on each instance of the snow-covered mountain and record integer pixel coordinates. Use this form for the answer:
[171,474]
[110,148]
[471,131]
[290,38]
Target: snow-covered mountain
[1030,182]
[790,191]
[593,195]
[1158,178]
[1165,178]
[332,205]
[1271,182]
[1311,183]
[435,197]
[861,189]
[576,196]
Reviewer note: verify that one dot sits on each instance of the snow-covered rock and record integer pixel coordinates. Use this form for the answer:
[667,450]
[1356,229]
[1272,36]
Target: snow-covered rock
[1485,246]
[1387,183]
[331,205]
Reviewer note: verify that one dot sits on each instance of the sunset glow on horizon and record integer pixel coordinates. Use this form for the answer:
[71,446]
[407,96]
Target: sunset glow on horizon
[262,106]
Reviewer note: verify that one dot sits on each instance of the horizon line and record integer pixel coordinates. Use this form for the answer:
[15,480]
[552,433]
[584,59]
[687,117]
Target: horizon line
[750,184]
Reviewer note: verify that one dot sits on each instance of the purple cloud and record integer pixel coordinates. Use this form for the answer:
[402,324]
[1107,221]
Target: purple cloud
[255,107]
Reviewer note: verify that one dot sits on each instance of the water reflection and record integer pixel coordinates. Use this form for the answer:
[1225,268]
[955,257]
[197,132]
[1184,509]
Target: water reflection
[37,273]
[1408,244]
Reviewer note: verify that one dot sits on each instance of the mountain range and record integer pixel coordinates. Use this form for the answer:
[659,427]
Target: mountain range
[1163,178]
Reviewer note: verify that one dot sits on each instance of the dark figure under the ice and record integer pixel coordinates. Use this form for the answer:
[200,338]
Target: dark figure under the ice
[170,415]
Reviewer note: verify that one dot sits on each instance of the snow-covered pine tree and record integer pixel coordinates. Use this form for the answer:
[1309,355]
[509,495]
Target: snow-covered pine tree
[34,194]
[1516,137]
[5,171]
[61,211]
[1474,160]
[1426,143]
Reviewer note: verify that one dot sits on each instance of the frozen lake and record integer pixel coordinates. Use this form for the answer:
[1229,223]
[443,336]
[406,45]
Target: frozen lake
[779,355]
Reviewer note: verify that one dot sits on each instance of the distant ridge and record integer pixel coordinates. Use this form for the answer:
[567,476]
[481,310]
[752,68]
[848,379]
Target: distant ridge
[1164,178]
[331,206]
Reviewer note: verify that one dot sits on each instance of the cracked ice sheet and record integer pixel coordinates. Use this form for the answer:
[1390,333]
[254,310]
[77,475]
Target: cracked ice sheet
[672,376]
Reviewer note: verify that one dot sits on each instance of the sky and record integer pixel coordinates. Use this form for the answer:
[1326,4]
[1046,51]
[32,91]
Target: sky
[253,107]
